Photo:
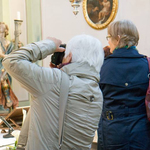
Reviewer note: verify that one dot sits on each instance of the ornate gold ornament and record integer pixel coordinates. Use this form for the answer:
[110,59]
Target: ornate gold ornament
[75,4]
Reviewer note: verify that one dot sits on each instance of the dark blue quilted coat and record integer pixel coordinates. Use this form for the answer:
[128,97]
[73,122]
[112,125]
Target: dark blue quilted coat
[124,81]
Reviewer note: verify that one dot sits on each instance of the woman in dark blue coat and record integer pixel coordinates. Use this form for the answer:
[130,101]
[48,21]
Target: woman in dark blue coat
[124,82]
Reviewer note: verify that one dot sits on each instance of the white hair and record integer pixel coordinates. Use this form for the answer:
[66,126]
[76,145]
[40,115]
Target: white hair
[86,48]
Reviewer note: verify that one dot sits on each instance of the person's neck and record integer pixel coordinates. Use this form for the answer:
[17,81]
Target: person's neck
[63,64]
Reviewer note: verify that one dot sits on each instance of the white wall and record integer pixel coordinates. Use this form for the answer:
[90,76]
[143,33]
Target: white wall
[59,21]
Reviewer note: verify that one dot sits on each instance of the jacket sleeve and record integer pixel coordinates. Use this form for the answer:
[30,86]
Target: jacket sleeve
[20,65]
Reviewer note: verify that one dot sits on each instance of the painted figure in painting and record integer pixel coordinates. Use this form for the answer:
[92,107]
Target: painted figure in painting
[93,8]
[105,10]
[7,98]
[99,10]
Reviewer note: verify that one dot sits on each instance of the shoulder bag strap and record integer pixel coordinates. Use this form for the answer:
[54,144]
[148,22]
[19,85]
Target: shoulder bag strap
[148,90]
[147,97]
[64,90]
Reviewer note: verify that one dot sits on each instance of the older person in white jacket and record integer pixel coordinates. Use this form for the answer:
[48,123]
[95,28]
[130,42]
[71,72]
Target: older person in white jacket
[84,57]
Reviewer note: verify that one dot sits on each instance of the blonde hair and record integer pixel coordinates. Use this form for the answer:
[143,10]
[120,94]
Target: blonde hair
[125,31]
[6,28]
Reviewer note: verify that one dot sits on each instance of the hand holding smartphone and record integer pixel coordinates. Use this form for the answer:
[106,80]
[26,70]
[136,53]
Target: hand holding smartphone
[57,57]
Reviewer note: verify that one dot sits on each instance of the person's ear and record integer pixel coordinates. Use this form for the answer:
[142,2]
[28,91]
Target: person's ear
[118,38]
[70,57]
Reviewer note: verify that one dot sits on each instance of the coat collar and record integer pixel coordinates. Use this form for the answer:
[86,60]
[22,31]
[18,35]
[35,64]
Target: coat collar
[82,70]
[124,52]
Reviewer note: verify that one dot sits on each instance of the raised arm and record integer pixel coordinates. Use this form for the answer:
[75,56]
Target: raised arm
[19,64]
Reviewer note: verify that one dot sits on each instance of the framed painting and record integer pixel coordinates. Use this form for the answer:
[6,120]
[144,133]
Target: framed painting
[99,13]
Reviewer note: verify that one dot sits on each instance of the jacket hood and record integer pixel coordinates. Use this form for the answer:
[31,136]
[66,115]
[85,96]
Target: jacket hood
[82,70]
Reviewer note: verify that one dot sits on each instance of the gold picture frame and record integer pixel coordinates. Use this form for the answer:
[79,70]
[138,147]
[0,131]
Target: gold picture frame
[99,13]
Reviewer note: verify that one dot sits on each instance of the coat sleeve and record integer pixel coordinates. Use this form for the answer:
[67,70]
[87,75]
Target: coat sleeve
[20,65]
